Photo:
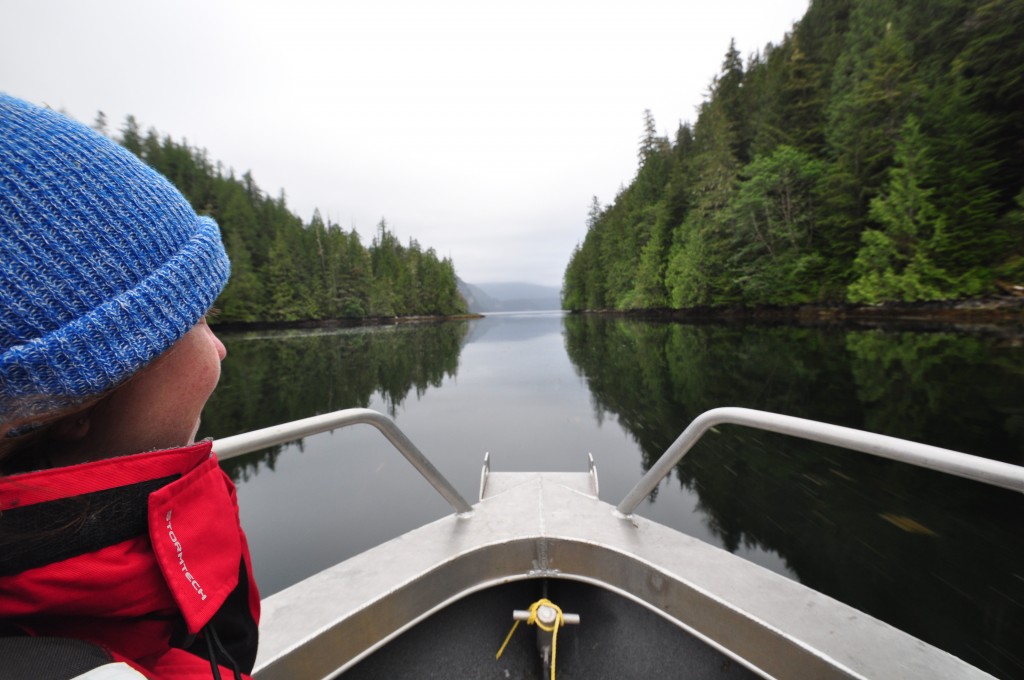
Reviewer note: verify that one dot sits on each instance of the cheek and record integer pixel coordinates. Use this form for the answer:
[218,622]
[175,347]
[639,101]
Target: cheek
[197,384]
[208,374]
[201,363]
[182,383]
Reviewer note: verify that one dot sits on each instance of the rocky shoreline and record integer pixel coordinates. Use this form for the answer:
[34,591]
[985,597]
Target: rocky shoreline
[1005,313]
[336,323]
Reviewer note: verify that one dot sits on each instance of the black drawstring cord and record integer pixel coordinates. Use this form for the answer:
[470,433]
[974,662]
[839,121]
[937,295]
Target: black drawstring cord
[210,635]
[211,653]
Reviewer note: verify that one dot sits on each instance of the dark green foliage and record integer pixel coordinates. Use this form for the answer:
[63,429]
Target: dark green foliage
[697,273]
[284,270]
[773,228]
[875,154]
[897,262]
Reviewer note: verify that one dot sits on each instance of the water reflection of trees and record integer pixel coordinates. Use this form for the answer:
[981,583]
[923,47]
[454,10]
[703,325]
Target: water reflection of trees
[931,554]
[271,378]
[958,391]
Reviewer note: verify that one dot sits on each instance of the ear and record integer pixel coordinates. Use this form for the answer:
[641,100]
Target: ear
[73,428]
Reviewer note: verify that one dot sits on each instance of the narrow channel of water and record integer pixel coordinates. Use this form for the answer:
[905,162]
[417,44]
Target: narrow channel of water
[939,557]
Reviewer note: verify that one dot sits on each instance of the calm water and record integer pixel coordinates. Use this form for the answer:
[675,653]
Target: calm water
[939,557]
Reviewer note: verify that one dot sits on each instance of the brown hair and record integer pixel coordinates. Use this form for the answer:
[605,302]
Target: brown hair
[26,444]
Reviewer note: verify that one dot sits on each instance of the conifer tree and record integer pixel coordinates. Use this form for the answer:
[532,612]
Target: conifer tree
[100,123]
[697,273]
[130,137]
[774,218]
[896,261]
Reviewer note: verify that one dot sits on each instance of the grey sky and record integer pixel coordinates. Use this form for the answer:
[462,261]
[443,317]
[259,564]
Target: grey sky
[481,129]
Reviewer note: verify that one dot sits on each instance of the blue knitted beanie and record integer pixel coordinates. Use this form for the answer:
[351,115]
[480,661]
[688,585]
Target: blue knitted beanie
[103,263]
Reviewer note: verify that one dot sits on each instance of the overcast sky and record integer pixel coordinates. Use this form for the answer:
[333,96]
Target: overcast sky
[481,129]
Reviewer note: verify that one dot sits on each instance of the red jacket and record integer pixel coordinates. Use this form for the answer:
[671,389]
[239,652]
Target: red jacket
[142,555]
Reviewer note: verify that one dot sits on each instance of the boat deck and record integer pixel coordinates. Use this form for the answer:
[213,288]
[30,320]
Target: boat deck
[617,638]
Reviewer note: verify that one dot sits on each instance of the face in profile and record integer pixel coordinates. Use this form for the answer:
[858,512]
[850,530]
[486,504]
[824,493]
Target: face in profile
[159,408]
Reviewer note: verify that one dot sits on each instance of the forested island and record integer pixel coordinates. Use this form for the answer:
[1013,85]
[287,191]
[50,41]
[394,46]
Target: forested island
[875,155]
[285,270]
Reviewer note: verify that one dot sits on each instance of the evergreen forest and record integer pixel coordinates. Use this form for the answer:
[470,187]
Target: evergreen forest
[875,154]
[283,269]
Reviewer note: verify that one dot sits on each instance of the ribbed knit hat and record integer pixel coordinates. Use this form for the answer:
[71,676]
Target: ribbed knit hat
[103,263]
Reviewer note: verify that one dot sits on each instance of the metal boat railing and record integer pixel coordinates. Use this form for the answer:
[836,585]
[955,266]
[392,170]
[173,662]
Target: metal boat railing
[979,469]
[971,467]
[332,621]
[228,447]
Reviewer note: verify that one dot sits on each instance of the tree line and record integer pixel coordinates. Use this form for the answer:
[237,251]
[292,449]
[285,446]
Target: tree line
[876,154]
[283,269]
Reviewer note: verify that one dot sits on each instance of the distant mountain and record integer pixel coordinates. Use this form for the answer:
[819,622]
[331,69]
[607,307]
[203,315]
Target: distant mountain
[510,297]
[477,300]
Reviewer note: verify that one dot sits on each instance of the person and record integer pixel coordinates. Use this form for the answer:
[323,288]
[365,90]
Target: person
[120,543]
